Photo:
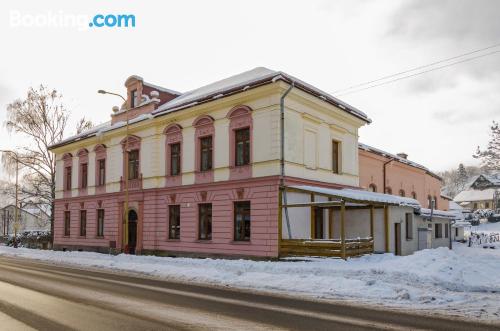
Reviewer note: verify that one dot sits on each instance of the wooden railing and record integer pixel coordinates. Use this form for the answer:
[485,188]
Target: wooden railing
[325,247]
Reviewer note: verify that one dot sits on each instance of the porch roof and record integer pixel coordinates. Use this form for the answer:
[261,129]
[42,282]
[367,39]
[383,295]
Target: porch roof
[359,196]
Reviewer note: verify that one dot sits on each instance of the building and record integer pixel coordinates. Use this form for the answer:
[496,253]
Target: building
[29,219]
[210,170]
[483,192]
[381,171]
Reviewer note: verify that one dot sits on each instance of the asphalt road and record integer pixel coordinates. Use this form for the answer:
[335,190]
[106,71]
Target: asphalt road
[40,296]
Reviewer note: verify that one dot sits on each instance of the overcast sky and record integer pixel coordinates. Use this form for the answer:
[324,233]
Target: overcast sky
[438,118]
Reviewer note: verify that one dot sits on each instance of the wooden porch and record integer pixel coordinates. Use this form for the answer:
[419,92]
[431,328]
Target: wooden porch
[326,247]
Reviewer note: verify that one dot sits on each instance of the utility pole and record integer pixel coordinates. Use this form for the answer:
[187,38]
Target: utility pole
[126,172]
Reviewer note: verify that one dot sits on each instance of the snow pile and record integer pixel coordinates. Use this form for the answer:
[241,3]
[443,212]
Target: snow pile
[463,281]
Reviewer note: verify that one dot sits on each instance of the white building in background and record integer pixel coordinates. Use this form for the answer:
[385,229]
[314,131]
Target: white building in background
[29,219]
[482,193]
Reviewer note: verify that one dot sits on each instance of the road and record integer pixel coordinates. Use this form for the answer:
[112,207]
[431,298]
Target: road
[38,296]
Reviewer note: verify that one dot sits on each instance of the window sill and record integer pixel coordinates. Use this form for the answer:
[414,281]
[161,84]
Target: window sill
[241,242]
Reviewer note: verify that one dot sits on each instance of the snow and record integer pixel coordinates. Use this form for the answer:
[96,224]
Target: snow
[361,195]
[437,213]
[486,228]
[475,195]
[463,281]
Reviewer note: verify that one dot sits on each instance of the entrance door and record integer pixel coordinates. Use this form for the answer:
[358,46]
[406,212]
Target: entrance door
[132,231]
[397,238]
[422,239]
[318,224]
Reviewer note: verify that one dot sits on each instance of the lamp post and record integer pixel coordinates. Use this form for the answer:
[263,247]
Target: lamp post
[125,228]
[16,214]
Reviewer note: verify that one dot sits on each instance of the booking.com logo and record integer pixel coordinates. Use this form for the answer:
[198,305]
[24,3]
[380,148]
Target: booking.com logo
[61,19]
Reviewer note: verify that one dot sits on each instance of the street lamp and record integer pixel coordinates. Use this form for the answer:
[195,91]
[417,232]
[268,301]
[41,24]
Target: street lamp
[16,214]
[125,230]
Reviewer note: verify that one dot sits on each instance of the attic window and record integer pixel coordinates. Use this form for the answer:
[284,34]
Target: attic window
[133,98]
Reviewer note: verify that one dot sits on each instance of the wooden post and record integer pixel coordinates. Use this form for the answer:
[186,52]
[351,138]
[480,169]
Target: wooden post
[386,227]
[280,219]
[330,221]
[342,228]
[372,220]
[313,219]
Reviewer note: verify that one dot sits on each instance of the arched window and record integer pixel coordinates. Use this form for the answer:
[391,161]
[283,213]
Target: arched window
[388,190]
[204,146]
[240,142]
[173,154]
[83,170]
[435,203]
[372,188]
[402,193]
[429,201]
[414,195]
[100,168]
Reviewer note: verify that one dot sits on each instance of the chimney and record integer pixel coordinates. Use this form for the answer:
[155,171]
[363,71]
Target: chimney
[403,155]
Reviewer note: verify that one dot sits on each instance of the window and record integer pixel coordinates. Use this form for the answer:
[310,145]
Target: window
[435,203]
[438,230]
[456,232]
[242,221]
[335,157]
[475,205]
[83,223]
[446,230]
[133,164]
[372,188]
[174,222]
[84,174]
[409,226]
[206,153]
[429,202]
[67,223]
[205,219]
[242,145]
[100,222]
[486,205]
[102,172]
[401,193]
[68,178]
[175,159]
[388,190]
[133,97]
[414,195]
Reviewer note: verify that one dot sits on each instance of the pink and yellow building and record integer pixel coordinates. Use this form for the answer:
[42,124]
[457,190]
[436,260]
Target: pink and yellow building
[205,168]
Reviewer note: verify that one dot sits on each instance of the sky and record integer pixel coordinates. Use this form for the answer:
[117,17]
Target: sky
[438,118]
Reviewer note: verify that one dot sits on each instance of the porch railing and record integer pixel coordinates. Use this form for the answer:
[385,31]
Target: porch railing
[325,247]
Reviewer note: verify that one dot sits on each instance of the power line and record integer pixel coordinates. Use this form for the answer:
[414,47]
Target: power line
[414,69]
[418,73]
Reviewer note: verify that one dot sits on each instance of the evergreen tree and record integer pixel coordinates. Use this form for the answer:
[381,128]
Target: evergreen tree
[490,157]
[462,176]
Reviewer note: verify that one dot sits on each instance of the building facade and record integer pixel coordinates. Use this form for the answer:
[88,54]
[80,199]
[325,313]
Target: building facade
[381,171]
[483,192]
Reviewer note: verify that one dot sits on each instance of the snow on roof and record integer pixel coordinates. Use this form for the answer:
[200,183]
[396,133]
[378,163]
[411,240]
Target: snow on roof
[461,224]
[163,89]
[475,195]
[396,157]
[452,205]
[426,212]
[361,196]
[244,81]
[494,179]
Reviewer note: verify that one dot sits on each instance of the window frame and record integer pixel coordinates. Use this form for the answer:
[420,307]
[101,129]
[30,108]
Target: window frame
[174,230]
[84,173]
[133,164]
[336,156]
[208,151]
[68,174]
[438,231]
[175,156]
[83,223]
[245,208]
[67,223]
[100,223]
[101,172]
[245,147]
[205,217]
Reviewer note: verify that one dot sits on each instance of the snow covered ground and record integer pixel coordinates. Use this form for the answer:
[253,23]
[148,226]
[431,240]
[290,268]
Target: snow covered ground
[486,228]
[464,281]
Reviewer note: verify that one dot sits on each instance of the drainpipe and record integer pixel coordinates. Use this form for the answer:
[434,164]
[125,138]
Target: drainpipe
[282,157]
[385,174]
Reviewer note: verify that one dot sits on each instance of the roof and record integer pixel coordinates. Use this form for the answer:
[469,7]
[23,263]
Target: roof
[475,195]
[494,179]
[400,159]
[452,205]
[235,84]
[361,196]
[426,212]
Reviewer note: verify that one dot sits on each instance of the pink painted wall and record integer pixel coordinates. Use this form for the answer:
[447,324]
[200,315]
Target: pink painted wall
[399,176]
[152,206]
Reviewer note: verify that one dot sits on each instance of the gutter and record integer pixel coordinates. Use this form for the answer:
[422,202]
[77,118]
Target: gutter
[282,158]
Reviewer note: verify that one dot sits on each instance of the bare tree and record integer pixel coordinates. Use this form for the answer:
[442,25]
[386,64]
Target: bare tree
[41,118]
[490,157]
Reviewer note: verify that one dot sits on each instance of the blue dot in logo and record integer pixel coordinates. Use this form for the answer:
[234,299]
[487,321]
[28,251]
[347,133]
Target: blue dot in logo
[91,25]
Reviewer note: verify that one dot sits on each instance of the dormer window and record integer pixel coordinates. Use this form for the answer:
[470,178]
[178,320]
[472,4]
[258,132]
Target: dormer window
[133,98]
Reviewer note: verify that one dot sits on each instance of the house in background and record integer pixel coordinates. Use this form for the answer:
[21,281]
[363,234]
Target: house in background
[482,193]
[231,168]
[29,219]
